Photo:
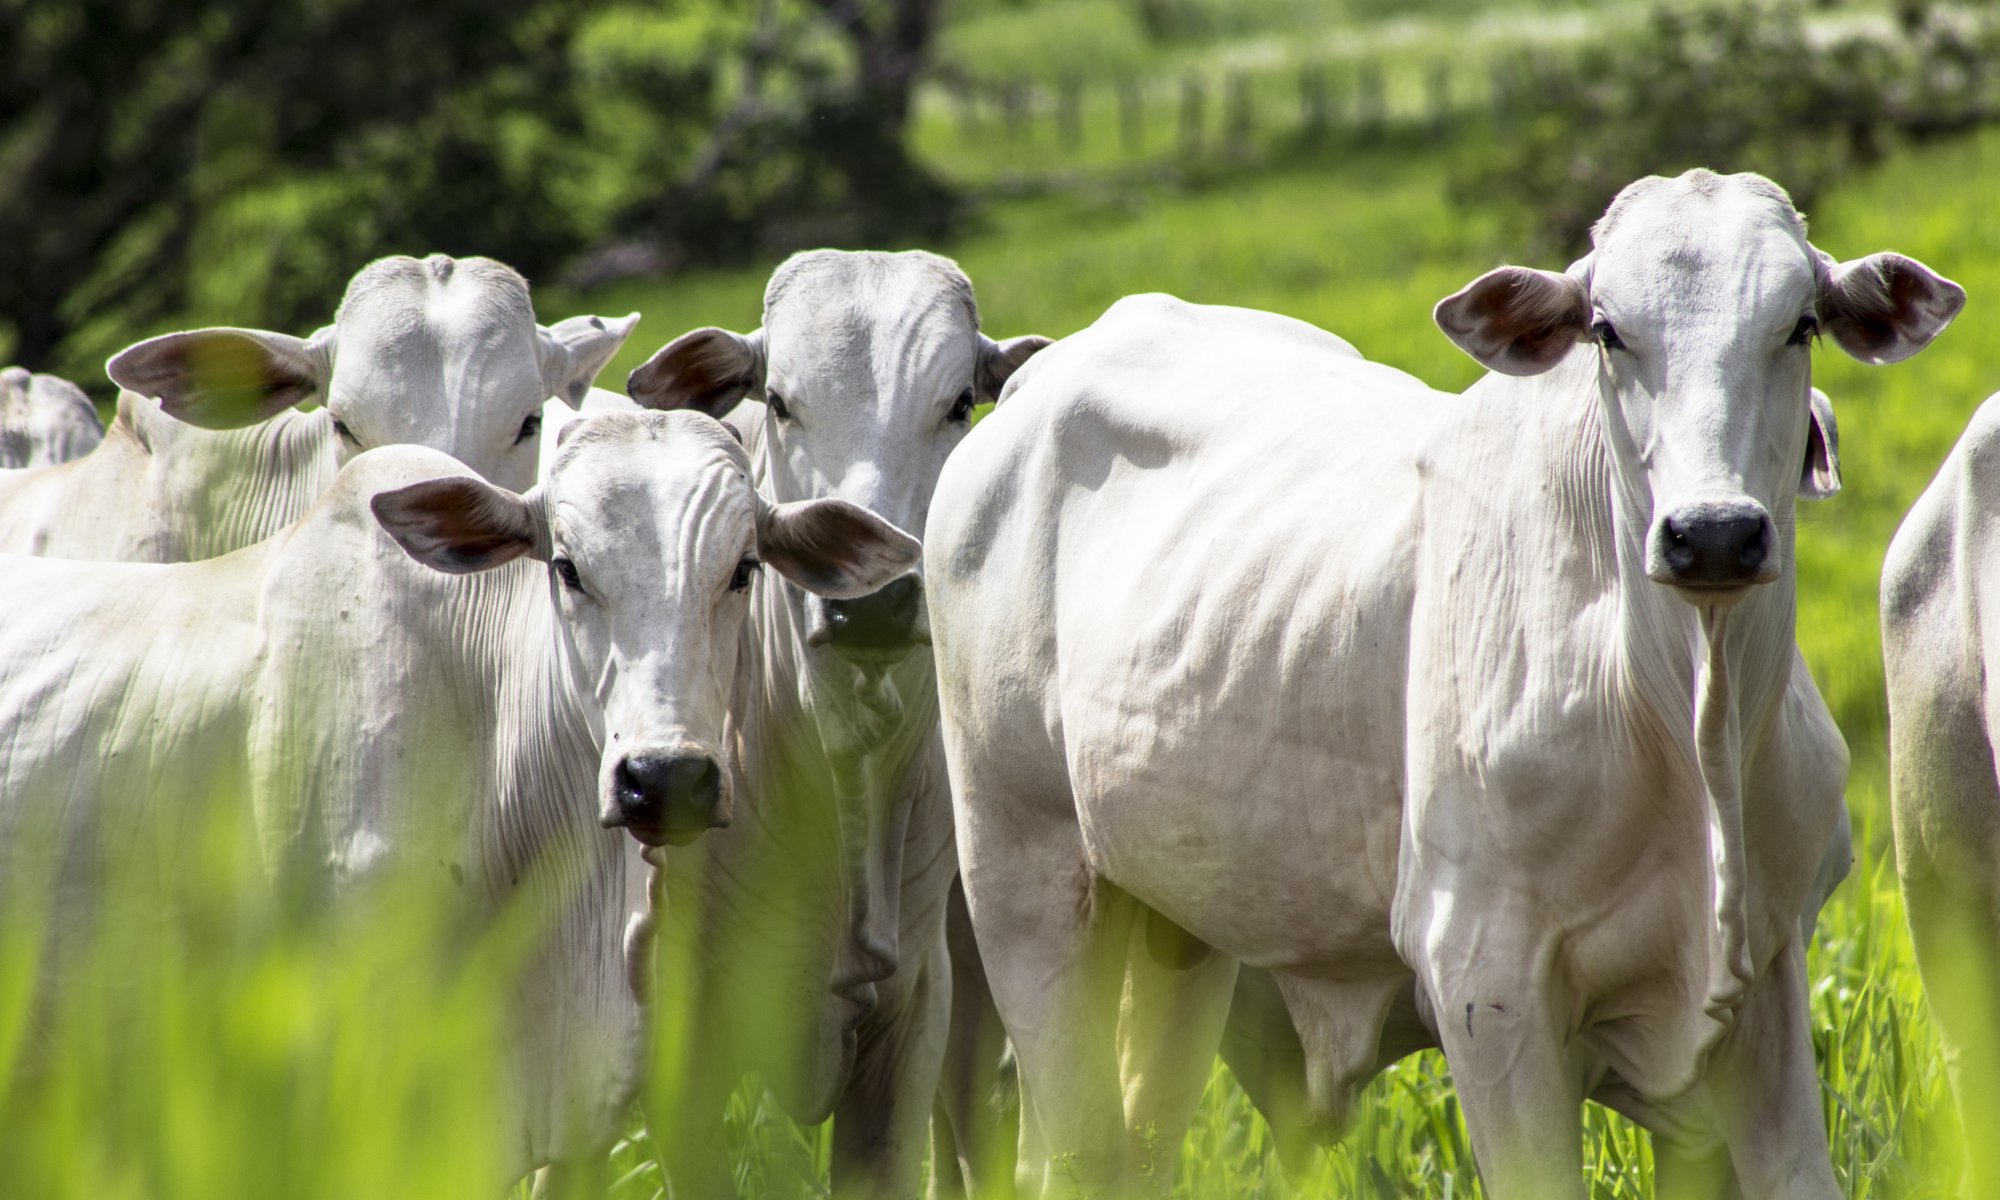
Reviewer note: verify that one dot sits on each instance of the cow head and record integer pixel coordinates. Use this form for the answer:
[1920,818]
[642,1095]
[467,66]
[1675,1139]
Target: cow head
[438,352]
[868,366]
[44,420]
[653,538]
[1699,303]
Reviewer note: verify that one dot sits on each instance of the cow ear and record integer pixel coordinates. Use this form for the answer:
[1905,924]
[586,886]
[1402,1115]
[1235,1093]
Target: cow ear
[832,548]
[226,378]
[574,351]
[1516,320]
[999,360]
[707,370]
[1820,478]
[460,525]
[1886,307]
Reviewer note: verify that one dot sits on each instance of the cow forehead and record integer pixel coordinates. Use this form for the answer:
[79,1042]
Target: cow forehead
[1703,244]
[838,314]
[624,476]
[406,318]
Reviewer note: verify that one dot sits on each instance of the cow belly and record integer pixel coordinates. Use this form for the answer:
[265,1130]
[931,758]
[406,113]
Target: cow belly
[1289,864]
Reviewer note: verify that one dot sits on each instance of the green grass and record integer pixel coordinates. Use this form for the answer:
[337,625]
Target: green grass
[252,1057]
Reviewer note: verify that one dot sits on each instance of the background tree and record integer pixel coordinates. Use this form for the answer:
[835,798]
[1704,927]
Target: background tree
[234,161]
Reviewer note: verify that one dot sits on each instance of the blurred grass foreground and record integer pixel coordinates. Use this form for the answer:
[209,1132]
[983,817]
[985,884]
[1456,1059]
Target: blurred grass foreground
[1348,163]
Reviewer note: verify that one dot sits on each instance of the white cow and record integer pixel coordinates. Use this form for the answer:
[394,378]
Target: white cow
[1939,640]
[44,420]
[1477,720]
[440,352]
[812,929]
[379,709]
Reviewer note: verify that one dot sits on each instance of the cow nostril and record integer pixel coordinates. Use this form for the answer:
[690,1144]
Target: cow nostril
[627,789]
[1680,555]
[1753,551]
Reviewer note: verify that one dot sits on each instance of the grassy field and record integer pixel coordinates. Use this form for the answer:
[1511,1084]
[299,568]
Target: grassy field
[256,1057]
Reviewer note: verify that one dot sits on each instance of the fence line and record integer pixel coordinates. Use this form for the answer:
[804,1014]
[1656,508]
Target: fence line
[1231,112]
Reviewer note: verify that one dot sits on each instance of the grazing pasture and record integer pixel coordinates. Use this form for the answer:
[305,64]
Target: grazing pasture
[187,1078]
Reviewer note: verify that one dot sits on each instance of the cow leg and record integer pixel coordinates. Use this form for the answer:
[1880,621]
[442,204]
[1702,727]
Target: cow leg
[1766,1092]
[977,1126]
[1690,1155]
[1053,938]
[1175,1002]
[684,1120]
[881,1116]
[1503,1035]
[1956,930]
[575,1179]
[1262,1049]
[1693,1172]
[1947,820]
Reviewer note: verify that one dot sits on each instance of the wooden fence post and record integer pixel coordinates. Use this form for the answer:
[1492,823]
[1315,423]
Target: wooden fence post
[1312,102]
[1131,116]
[1192,103]
[1371,101]
[1014,108]
[1437,90]
[1241,117]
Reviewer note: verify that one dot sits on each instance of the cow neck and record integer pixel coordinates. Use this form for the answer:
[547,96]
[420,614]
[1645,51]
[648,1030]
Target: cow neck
[775,674]
[547,740]
[873,754]
[226,489]
[1706,679]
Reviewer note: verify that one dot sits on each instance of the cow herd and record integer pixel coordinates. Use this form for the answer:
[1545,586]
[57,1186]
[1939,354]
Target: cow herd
[1224,690]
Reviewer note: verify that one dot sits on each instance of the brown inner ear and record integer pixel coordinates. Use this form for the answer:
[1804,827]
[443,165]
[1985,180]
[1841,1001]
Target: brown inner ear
[457,525]
[709,373]
[217,380]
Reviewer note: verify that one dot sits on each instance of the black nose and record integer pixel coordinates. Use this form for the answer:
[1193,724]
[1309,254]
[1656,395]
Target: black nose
[667,798]
[884,619]
[1715,547]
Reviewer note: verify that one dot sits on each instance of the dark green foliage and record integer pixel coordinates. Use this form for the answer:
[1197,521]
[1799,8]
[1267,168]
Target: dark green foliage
[1736,88]
[128,120]
[235,161]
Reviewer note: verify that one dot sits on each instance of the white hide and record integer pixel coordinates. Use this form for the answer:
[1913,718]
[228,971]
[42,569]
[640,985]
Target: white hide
[817,918]
[438,352]
[1276,651]
[1939,641]
[378,713]
[44,420]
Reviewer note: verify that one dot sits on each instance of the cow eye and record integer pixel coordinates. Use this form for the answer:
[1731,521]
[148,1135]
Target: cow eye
[776,404]
[529,428]
[746,570]
[566,571]
[961,408]
[1804,332]
[345,434]
[1606,335]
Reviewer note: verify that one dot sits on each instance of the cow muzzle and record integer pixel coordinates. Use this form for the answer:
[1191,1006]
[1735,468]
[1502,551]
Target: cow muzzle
[1712,548]
[666,799]
[877,629]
